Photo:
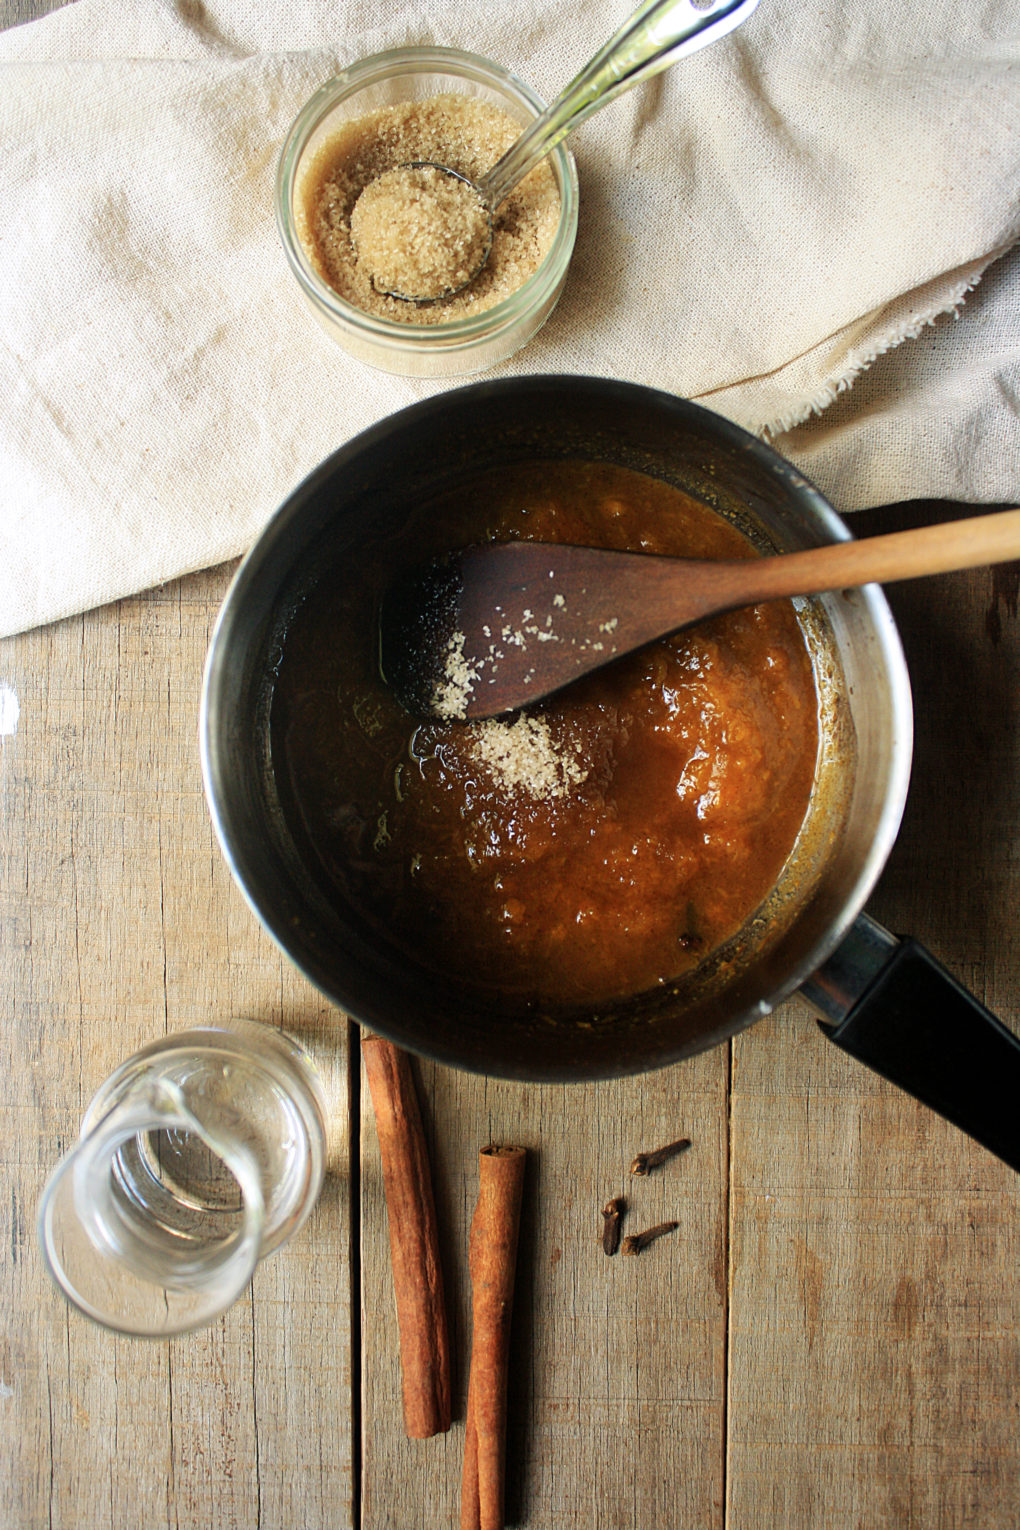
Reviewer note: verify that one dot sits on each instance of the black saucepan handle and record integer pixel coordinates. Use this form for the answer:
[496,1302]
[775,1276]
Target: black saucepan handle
[890,1004]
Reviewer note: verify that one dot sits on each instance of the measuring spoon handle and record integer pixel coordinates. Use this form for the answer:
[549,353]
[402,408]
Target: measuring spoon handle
[658,34]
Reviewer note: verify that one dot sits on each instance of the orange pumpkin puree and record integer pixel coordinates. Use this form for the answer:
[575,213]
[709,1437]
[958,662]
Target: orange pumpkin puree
[601,844]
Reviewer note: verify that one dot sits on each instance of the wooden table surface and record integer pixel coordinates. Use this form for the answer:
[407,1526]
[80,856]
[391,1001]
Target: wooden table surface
[833,1337]
[831,1340]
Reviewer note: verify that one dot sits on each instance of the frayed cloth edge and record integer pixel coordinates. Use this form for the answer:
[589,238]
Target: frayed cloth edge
[819,400]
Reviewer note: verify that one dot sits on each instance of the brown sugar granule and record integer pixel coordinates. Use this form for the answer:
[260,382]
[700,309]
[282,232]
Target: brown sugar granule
[453,691]
[419,232]
[460,132]
[522,756]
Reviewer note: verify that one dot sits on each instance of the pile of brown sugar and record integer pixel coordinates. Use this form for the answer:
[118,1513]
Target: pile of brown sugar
[522,754]
[461,132]
[420,232]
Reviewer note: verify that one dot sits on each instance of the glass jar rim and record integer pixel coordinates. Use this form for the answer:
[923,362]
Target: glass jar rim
[453,333]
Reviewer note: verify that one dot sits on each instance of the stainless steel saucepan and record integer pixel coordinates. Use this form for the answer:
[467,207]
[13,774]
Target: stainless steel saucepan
[885,1000]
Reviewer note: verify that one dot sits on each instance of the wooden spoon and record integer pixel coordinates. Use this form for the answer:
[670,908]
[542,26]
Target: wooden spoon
[496,627]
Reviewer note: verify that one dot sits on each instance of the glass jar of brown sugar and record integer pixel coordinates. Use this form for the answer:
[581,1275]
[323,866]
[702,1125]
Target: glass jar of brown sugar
[411,103]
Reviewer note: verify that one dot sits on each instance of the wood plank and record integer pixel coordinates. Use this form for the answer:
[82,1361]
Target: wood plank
[617,1391]
[874,1350]
[14,13]
[118,921]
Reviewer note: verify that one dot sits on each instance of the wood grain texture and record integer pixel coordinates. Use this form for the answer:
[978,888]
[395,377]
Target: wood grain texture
[617,1384]
[118,921]
[875,1315]
[14,13]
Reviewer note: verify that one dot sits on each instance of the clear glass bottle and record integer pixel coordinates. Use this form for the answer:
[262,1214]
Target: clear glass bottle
[197,1157]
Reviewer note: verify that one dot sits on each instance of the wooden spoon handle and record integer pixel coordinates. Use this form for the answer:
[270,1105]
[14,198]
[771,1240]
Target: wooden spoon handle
[894,555]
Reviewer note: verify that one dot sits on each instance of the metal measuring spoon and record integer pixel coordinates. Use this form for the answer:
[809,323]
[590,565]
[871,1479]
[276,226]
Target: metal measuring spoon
[658,34]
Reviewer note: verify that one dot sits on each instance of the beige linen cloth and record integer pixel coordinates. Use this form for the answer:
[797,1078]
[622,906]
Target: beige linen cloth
[829,194]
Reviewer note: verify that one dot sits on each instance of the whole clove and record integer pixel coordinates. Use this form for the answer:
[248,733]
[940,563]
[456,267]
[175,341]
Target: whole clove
[634,1243]
[612,1217]
[645,1162]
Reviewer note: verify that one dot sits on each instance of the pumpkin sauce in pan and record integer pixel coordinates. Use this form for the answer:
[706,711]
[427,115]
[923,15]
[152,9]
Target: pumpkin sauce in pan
[603,843]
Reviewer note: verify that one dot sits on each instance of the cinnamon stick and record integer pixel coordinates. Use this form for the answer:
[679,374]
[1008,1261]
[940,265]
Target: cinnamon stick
[492,1260]
[414,1240]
